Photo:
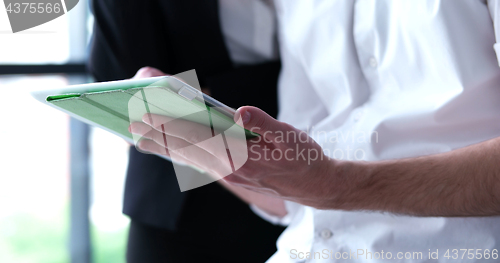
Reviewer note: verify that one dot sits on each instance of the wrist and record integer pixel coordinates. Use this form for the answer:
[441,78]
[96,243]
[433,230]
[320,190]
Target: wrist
[351,179]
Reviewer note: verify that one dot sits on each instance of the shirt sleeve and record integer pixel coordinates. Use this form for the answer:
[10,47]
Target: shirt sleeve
[291,207]
[494,8]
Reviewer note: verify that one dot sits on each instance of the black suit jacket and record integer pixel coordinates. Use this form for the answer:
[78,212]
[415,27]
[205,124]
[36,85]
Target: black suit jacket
[175,36]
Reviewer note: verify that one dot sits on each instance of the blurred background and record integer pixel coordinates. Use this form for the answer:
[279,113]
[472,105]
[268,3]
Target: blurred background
[59,199]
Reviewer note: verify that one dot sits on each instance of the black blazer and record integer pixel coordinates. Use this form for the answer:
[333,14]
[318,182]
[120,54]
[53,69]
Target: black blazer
[175,36]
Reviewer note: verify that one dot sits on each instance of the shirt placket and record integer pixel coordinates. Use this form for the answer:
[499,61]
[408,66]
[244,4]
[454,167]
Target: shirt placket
[365,40]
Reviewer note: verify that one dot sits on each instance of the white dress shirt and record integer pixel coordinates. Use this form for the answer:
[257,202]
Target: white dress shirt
[385,79]
[249,30]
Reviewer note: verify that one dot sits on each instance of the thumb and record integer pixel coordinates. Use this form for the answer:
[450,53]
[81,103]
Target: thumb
[256,120]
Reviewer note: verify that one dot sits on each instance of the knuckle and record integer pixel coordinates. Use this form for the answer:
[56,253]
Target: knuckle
[182,152]
[262,123]
[145,72]
[193,137]
[232,179]
[147,69]
[158,138]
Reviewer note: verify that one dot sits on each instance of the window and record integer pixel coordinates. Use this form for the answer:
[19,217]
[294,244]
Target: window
[35,175]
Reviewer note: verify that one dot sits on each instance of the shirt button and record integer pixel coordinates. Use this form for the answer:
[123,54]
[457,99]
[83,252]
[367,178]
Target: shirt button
[373,62]
[326,233]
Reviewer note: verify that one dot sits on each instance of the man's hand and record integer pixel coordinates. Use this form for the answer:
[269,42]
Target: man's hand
[283,162]
[269,204]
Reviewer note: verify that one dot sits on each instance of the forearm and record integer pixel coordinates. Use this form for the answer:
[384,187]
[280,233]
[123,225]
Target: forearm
[463,182]
[272,205]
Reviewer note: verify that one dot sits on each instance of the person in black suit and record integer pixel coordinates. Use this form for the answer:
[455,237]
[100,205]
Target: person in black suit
[207,224]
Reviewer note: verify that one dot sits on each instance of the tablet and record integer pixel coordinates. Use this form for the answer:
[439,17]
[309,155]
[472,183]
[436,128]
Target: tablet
[112,106]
